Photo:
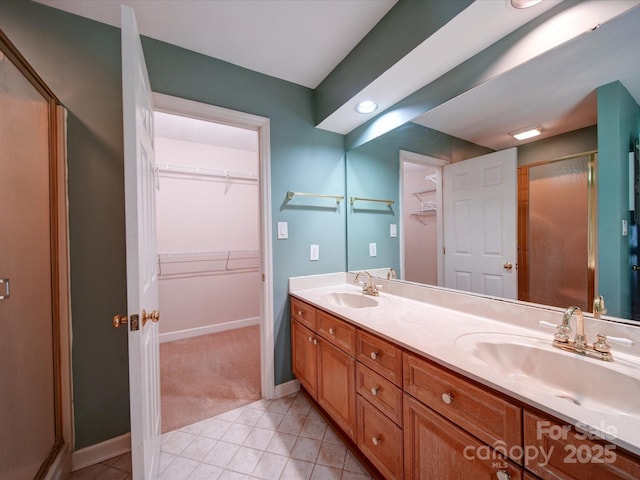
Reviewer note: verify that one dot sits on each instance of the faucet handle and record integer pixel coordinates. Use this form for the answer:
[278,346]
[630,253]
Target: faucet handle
[562,333]
[601,345]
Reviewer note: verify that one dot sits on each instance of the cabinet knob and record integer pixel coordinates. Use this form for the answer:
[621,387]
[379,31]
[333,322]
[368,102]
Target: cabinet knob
[300,313]
[503,475]
[374,391]
[375,440]
[374,355]
[315,341]
[447,398]
[332,331]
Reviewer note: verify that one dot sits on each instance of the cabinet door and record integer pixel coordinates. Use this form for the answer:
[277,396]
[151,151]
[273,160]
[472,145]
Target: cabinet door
[304,357]
[558,451]
[437,449]
[336,386]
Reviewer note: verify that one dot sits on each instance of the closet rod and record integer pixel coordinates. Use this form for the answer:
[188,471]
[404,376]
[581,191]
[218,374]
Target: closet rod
[204,171]
[290,195]
[362,199]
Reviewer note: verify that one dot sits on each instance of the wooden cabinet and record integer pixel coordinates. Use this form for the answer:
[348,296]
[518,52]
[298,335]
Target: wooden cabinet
[304,357]
[560,452]
[434,448]
[414,419]
[487,416]
[336,386]
[380,440]
[323,369]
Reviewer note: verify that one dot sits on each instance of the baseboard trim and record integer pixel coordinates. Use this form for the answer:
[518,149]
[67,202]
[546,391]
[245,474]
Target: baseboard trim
[287,388]
[198,331]
[100,452]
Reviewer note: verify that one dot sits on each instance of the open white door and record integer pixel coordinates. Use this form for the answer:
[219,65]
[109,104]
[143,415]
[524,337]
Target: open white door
[480,224]
[142,279]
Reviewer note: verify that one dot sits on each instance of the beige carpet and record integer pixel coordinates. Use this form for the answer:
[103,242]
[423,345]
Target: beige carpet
[204,376]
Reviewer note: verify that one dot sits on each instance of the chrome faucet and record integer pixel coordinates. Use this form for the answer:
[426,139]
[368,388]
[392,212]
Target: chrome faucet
[599,350]
[367,288]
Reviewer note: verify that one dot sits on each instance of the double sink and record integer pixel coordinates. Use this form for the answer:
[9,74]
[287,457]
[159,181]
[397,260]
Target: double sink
[533,364]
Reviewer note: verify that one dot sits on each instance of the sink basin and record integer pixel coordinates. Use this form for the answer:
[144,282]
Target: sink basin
[351,300]
[599,386]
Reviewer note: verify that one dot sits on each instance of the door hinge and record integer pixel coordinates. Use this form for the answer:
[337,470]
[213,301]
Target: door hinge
[134,322]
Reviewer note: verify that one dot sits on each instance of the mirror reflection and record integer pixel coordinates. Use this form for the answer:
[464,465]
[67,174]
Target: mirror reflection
[574,188]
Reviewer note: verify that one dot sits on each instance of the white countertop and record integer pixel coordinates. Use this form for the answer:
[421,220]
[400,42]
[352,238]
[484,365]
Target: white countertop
[436,323]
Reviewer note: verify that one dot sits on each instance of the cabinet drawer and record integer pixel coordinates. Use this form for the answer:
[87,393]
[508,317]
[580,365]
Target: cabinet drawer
[380,440]
[304,313]
[382,394]
[339,333]
[379,355]
[484,414]
[563,453]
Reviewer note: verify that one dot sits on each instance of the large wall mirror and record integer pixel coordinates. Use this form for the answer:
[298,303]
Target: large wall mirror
[574,186]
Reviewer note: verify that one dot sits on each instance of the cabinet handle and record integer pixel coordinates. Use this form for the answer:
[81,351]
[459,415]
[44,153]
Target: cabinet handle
[374,355]
[332,331]
[374,391]
[503,475]
[315,341]
[300,313]
[375,440]
[447,398]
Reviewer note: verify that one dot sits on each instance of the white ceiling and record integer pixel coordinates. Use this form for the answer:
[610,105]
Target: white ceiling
[303,40]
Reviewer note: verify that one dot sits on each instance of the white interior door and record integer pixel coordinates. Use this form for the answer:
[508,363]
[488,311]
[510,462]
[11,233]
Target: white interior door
[142,278]
[480,224]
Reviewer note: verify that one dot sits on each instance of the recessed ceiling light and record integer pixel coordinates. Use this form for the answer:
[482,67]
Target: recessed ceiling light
[367,106]
[524,3]
[525,133]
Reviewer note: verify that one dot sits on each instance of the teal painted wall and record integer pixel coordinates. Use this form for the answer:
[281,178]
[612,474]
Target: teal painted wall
[80,60]
[618,128]
[373,170]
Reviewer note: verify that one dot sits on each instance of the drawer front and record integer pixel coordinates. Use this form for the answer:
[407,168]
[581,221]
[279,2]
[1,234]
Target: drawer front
[484,414]
[336,331]
[558,451]
[382,394]
[304,313]
[380,440]
[379,355]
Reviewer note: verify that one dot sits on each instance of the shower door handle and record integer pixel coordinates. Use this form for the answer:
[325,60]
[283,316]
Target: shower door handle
[4,289]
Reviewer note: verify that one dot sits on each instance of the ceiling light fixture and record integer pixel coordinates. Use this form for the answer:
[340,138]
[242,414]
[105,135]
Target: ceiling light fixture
[524,3]
[366,106]
[525,133]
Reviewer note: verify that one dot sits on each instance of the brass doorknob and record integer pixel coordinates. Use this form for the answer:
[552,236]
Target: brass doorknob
[119,320]
[508,266]
[153,316]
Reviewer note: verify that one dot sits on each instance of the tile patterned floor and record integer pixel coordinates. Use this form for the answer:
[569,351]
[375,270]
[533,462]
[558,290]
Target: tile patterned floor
[278,439]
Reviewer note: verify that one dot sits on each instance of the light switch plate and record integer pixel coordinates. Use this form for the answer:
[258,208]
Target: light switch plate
[314,253]
[625,228]
[373,251]
[393,230]
[283,230]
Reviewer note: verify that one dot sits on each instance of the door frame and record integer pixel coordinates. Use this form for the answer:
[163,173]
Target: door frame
[438,164]
[261,125]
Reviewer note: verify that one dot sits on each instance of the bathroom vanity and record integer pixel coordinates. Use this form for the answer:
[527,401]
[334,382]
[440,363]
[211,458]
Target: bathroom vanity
[428,383]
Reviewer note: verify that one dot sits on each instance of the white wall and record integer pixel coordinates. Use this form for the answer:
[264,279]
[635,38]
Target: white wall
[420,231]
[207,214]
